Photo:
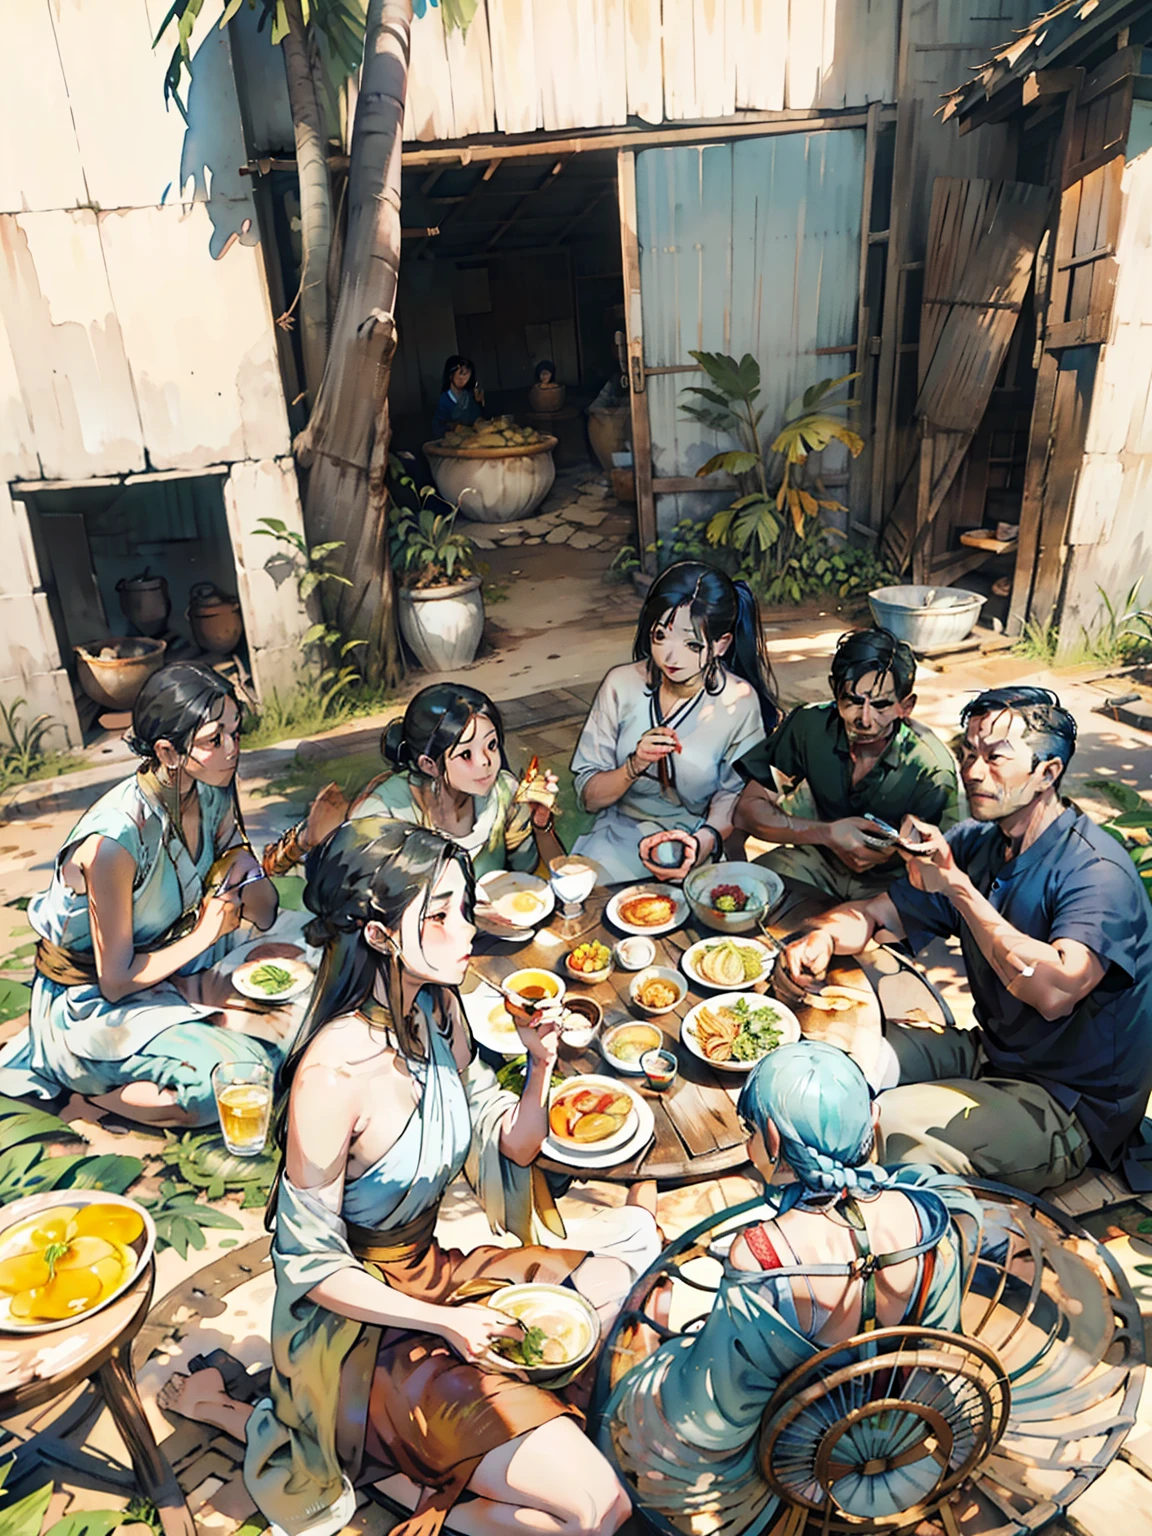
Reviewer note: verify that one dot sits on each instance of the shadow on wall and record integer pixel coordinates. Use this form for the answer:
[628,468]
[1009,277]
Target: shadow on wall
[214,148]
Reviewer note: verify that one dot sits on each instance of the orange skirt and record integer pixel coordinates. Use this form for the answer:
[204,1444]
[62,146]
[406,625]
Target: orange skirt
[434,1416]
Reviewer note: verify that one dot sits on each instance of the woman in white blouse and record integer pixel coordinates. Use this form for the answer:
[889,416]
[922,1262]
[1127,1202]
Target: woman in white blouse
[656,760]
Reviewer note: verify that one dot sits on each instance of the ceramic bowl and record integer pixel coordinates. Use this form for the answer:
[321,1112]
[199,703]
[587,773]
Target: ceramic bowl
[657,973]
[591,1012]
[635,953]
[763,886]
[643,1037]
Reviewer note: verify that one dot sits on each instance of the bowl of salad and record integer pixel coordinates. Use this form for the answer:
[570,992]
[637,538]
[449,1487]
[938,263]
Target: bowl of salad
[734,1031]
[733,897]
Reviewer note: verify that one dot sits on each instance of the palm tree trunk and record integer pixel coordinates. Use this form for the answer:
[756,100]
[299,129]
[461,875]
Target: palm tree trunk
[345,444]
[315,198]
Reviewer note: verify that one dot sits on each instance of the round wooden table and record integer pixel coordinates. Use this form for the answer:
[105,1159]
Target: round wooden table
[37,1368]
[698,1135]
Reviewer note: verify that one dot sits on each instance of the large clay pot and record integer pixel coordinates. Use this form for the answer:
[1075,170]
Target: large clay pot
[547,397]
[144,602]
[112,672]
[215,619]
[443,625]
[609,432]
[494,485]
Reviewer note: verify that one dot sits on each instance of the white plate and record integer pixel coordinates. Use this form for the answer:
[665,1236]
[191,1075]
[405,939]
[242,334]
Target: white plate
[502,883]
[690,956]
[557,1148]
[485,1011]
[788,1023]
[302,971]
[645,1130]
[35,1205]
[680,915]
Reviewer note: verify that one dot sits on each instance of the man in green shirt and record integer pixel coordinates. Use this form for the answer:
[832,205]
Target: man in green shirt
[812,784]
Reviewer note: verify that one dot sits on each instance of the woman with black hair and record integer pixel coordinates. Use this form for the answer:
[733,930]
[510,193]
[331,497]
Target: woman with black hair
[656,759]
[461,398]
[381,1347]
[450,775]
[145,899]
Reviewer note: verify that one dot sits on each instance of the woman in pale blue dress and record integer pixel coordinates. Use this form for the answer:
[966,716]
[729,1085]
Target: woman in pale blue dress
[125,1006]
[682,1425]
[449,774]
[381,1346]
[656,760]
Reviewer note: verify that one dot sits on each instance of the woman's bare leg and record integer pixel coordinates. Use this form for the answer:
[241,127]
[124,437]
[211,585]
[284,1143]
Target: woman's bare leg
[519,1491]
[516,1484]
[147,1103]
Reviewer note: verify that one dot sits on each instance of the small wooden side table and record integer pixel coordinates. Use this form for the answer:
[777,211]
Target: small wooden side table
[35,1368]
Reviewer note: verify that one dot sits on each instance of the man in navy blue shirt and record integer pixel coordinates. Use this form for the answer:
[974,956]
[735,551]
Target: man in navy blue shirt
[1056,932]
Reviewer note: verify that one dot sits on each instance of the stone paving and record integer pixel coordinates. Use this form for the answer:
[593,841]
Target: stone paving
[214,1301]
[579,511]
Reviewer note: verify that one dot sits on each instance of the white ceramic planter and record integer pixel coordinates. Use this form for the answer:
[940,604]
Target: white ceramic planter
[443,625]
[501,485]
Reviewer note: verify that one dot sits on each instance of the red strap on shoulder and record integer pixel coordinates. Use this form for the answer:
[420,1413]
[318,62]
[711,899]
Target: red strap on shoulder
[762,1250]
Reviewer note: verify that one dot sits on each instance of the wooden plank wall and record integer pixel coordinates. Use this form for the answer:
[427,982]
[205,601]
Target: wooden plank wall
[941,42]
[551,65]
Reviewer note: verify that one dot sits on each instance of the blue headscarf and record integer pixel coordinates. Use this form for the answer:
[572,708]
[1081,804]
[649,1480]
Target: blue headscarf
[820,1102]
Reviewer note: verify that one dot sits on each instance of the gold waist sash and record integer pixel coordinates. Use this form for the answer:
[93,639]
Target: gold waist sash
[65,966]
[401,1245]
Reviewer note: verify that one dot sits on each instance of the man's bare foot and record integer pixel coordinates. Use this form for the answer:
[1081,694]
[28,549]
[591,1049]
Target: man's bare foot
[201,1396]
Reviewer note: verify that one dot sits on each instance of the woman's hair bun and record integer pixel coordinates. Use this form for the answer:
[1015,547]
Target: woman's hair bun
[393,747]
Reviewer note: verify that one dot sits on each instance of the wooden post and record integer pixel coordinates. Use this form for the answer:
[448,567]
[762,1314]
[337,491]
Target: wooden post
[860,469]
[157,1480]
[634,328]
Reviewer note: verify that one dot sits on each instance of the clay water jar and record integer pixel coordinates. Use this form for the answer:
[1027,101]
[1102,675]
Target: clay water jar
[144,602]
[112,672]
[215,619]
[547,398]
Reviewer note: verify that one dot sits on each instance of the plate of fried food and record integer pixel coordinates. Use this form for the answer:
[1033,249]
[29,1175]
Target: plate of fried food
[719,965]
[734,1031]
[646,909]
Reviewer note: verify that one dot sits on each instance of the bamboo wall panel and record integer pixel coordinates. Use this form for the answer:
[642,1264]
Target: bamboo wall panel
[209,392]
[136,332]
[745,247]
[109,111]
[48,172]
[561,65]
[1110,532]
[70,362]
[512,36]
[644,59]
[470,72]
[761,63]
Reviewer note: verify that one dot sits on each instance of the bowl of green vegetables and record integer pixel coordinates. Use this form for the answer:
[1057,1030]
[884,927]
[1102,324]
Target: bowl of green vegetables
[277,980]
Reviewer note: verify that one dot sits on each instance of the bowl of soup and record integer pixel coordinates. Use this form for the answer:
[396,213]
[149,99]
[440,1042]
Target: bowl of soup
[561,1329]
[624,1044]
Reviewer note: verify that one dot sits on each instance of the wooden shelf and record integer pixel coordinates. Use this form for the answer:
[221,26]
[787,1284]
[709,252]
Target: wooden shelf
[988,545]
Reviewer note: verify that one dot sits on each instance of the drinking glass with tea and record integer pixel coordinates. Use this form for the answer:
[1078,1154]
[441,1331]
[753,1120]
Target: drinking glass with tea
[244,1103]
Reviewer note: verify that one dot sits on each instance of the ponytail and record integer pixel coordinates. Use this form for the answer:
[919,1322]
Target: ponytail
[749,659]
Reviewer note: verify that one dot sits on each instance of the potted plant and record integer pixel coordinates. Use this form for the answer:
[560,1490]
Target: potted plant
[438,582]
